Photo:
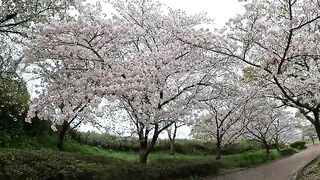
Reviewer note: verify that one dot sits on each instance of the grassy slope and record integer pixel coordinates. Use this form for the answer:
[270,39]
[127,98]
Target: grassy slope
[158,161]
[230,162]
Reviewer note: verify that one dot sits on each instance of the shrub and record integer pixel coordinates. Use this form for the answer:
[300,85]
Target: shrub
[287,152]
[298,145]
[241,147]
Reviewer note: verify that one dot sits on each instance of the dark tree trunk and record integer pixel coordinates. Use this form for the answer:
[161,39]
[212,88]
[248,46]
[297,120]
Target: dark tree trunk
[219,151]
[146,148]
[317,127]
[277,146]
[312,139]
[266,145]
[143,155]
[61,135]
[276,143]
[317,123]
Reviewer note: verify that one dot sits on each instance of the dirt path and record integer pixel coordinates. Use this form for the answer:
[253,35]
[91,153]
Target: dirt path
[283,169]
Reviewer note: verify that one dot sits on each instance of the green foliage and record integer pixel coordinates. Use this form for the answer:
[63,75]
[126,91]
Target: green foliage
[249,74]
[48,164]
[14,99]
[241,147]
[287,152]
[298,145]
[13,105]
[45,164]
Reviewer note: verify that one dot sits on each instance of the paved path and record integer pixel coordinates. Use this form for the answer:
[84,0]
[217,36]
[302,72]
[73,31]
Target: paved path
[283,169]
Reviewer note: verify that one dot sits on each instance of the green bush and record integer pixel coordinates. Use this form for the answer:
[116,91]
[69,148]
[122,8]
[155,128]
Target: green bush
[287,152]
[251,158]
[47,164]
[13,107]
[298,145]
[241,147]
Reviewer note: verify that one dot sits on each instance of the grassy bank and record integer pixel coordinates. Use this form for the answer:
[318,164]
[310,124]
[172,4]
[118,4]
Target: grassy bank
[50,164]
[36,157]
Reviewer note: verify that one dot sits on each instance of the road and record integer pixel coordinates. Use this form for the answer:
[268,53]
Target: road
[283,169]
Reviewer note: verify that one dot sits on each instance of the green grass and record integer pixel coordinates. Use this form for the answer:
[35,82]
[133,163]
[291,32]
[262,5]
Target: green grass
[160,163]
[230,162]
[250,159]
[73,146]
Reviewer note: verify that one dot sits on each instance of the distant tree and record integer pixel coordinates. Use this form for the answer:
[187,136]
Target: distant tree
[267,123]
[223,108]
[309,132]
[279,40]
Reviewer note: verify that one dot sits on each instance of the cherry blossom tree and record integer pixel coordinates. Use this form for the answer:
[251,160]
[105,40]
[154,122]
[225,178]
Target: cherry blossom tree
[17,20]
[66,104]
[279,40]
[134,59]
[267,123]
[309,133]
[224,108]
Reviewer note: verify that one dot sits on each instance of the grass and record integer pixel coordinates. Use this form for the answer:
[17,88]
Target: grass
[73,146]
[230,162]
[161,164]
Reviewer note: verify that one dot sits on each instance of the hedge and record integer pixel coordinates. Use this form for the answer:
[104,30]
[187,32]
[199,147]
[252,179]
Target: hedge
[298,145]
[287,152]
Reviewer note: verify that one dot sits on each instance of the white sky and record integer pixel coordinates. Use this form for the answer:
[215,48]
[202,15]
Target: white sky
[219,10]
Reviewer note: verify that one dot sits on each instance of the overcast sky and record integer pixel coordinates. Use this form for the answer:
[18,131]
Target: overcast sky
[219,10]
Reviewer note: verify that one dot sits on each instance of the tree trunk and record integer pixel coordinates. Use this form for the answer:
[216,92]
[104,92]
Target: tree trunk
[172,148]
[61,135]
[278,148]
[172,139]
[266,145]
[145,148]
[143,155]
[276,143]
[317,127]
[219,151]
[317,123]
[312,139]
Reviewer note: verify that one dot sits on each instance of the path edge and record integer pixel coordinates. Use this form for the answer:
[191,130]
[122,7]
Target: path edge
[295,175]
